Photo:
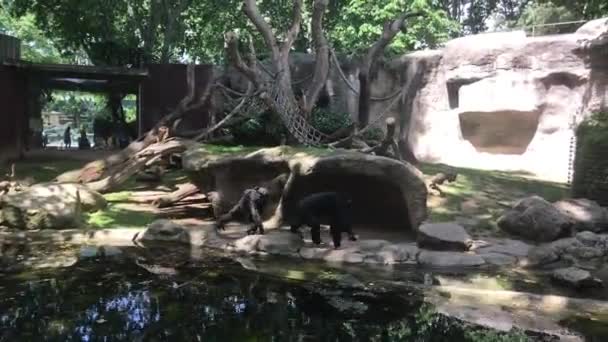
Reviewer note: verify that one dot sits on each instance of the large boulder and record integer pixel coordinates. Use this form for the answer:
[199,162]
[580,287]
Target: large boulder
[49,206]
[536,219]
[575,277]
[165,231]
[52,196]
[515,248]
[585,247]
[585,214]
[443,236]
[384,191]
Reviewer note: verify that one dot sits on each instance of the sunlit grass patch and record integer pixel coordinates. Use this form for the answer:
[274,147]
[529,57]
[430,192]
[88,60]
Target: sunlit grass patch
[116,217]
[485,195]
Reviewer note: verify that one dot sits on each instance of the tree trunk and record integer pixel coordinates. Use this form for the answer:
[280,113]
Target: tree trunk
[389,32]
[364,98]
[387,143]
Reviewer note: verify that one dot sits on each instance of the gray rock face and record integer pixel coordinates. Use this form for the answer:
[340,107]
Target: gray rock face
[586,214]
[449,259]
[535,219]
[443,237]
[165,231]
[575,277]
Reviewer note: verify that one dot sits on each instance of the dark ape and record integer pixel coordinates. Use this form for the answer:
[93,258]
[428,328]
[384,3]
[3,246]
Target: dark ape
[331,207]
[248,208]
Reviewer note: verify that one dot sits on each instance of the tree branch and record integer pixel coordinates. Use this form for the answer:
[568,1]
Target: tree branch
[321,59]
[390,30]
[232,49]
[294,30]
[234,112]
[250,7]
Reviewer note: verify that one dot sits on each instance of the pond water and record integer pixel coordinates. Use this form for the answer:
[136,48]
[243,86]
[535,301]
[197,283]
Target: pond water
[135,294]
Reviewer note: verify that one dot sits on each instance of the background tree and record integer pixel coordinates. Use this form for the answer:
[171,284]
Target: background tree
[583,9]
[35,47]
[111,32]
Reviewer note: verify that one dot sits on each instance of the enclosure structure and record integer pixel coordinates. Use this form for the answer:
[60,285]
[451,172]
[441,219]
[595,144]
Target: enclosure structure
[12,101]
[503,101]
[33,78]
[164,88]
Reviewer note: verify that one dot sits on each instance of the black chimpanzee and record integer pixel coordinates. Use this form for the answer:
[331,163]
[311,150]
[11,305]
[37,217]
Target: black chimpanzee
[333,207]
[249,208]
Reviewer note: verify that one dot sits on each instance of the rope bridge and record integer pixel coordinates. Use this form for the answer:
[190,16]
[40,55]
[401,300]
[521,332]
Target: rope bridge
[296,123]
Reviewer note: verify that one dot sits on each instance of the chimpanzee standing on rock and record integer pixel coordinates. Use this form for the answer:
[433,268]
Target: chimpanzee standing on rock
[331,206]
[249,208]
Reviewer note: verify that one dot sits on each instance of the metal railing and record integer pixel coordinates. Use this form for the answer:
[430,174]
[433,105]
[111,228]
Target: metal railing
[536,30]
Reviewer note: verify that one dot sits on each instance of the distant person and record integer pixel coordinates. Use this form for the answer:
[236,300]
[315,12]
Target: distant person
[67,137]
[83,141]
[45,139]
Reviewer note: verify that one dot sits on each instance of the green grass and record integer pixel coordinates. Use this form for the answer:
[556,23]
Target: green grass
[116,217]
[485,195]
[47,171]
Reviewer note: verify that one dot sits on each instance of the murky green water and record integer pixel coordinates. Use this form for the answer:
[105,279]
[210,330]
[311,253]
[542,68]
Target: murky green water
[136,294]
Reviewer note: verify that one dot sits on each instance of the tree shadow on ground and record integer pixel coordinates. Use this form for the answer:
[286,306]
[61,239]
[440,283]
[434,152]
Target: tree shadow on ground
[482,196]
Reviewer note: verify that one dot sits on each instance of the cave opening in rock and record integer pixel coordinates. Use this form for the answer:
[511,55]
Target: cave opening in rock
[378,204]
[500,132]
[453,87]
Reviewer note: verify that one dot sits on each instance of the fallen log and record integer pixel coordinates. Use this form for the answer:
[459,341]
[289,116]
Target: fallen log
[138,162]
[184,191]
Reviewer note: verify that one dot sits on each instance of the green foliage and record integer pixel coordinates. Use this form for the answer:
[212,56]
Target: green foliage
[329,122]
[111,32]
[593,130]
[358,23]
[589,9]
[264,129]
[35,47]
[493,336]
[590,169]
[546,13]
[373,134]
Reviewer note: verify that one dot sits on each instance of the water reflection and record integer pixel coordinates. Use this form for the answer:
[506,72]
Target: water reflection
[118,299]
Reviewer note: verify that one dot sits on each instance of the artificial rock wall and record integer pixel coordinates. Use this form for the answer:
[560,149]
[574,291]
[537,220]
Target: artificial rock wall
[500,101]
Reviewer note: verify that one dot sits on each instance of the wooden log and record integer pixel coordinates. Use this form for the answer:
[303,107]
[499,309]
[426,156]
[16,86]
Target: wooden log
[184,191]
